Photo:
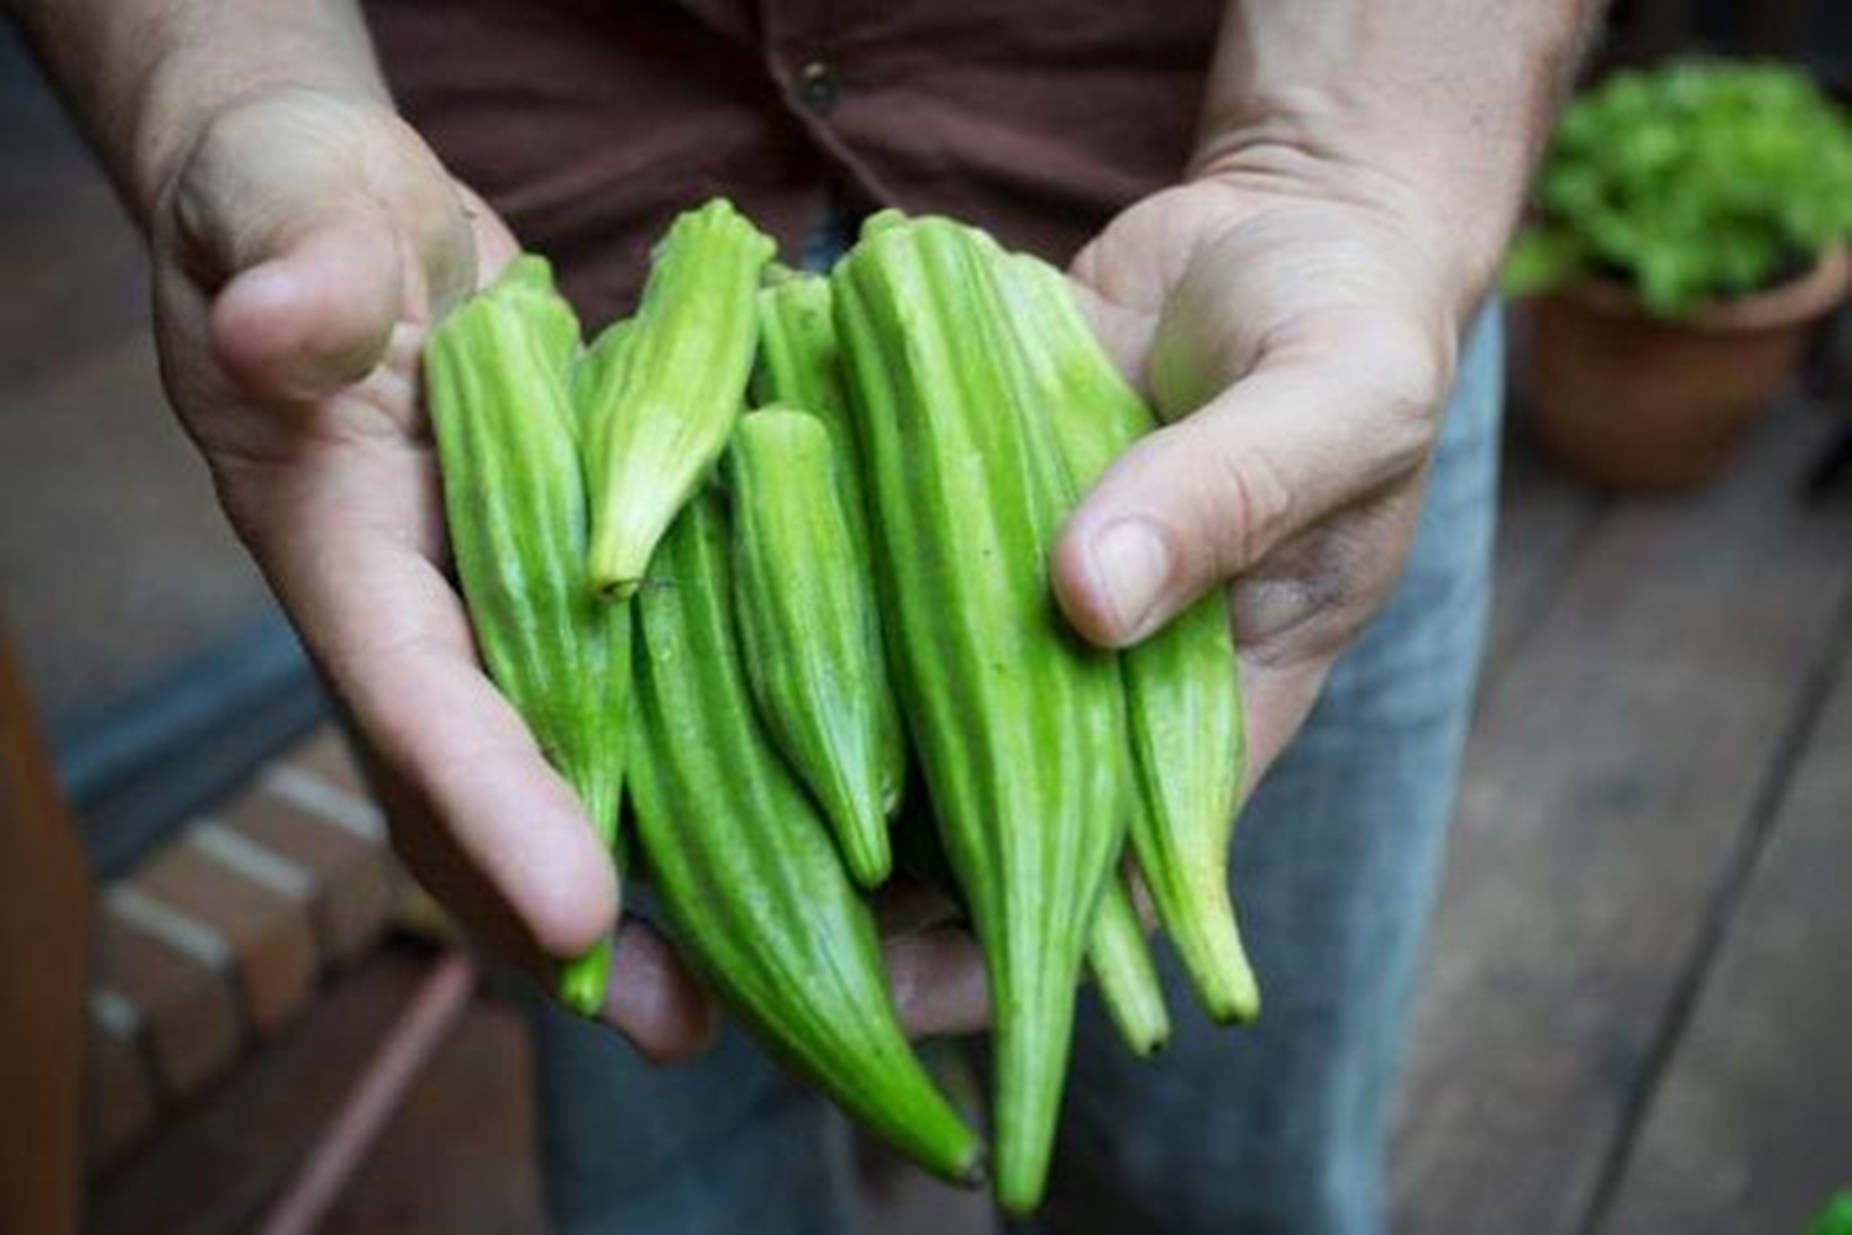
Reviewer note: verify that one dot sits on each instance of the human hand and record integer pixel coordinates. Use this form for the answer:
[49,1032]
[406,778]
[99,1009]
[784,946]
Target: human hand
[302,247]
[1296,320]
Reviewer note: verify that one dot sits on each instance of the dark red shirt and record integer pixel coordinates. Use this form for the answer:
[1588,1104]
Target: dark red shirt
[589,123]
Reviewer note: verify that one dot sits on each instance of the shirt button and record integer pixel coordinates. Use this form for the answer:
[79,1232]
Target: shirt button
[818,87]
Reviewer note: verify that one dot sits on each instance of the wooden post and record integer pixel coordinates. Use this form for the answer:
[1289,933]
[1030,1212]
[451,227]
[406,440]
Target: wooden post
[44,909]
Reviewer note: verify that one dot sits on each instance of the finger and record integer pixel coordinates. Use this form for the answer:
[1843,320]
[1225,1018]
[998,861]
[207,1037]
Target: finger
[1297,610]
[316,317]
[654,1000]
[937,979]
[1276,700]
[431,853]
[415,688]
[316,224]
[320,315]
[651,997]
[346,549]
[1303,435]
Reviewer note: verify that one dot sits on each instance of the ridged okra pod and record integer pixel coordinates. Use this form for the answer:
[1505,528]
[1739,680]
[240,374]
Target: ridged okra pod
[1019,727]
[514,499]
[1182,687]
[800,364]
[1118,954]
[595,372]
[656,426]
[748,877]
[1120,959]
[810,630]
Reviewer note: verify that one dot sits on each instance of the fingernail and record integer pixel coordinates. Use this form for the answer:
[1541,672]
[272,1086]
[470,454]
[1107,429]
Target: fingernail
[1131,564]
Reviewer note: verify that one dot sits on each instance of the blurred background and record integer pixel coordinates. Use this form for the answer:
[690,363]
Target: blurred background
[1637,1012]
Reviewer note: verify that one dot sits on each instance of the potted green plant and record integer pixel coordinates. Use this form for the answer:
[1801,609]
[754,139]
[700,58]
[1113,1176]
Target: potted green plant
[1689,226]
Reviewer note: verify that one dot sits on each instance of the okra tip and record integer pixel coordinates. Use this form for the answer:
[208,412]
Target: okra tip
[617,561]
[1153,1046]
[883,221]
[776,274]
[1244,1010]
[584,979]
[1233,1002]
[615,590]
[1218,966]
[972,1172]
[867,853]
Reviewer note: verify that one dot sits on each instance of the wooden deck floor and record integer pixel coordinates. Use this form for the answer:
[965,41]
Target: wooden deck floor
[1637,1014]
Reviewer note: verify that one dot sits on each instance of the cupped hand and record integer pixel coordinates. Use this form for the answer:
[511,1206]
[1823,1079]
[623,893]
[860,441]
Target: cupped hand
[1296,323]
[303,245]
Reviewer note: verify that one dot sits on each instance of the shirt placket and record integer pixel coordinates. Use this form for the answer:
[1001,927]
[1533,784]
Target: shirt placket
[797,46]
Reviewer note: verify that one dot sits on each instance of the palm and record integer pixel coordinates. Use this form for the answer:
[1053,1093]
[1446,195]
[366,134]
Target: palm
[1282,326]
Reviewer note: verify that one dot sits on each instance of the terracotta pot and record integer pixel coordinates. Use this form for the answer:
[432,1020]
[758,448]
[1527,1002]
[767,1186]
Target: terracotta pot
[1632,401]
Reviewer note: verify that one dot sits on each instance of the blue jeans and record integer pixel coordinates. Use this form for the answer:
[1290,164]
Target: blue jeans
[1279,1127]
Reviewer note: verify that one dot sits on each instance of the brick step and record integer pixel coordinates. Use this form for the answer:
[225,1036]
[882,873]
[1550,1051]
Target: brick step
[220,937]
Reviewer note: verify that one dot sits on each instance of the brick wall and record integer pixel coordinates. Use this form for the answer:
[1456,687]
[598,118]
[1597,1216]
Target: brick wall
[219,938]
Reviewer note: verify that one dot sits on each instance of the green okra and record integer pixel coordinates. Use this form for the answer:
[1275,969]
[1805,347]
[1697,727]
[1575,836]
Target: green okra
[1118,955]
[749,880]
[657,423]
[810,630]
[890,220]
[1182,687]
[514,499]
[1120,959]
[798,361]
[1018,727]
[800,365]
[595,370]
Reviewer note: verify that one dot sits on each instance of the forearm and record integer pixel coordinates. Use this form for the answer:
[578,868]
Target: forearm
[143,76]
[1447,101]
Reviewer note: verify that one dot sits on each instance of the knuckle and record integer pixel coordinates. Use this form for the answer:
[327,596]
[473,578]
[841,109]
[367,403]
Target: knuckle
[1404,371]
[1394,369]
[1249,505]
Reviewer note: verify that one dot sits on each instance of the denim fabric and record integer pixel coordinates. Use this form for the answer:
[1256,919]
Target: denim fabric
[727,1143]
[1278,1127]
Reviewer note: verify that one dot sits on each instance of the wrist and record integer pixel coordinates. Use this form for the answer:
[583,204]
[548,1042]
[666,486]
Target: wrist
[144,78]
[1435,118]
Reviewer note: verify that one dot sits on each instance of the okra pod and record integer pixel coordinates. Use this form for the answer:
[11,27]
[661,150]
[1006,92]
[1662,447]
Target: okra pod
[658,421]
[496,374]
[749,879]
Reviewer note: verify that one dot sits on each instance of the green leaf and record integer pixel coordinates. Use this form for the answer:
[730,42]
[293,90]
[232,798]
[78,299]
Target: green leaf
[1541,258]
[1696,179]
[1836,1218]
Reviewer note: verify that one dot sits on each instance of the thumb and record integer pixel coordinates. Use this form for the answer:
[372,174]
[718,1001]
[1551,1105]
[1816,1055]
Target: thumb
[316,316]
[1308,431]
[315,225]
